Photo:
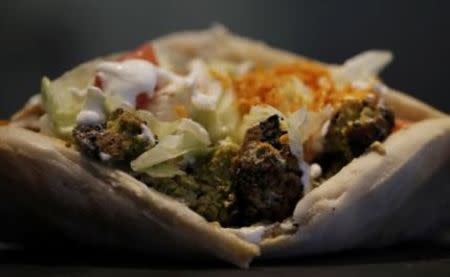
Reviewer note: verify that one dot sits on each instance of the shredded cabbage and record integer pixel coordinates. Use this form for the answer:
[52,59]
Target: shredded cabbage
[176,139]
[223,120]
[303,125]
[206,91]
[167,169]
[62,105]
[256,115]
[306,126]
[295,122]
[214,106]
[193,129]
[158,127]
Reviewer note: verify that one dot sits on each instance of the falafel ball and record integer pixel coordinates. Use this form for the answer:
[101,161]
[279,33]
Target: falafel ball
[355,126]
[208,189]
[266,175]
[120,139]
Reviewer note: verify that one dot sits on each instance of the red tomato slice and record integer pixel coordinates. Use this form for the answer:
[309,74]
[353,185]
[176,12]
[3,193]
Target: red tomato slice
[98,82]
[144,52]
[142,100]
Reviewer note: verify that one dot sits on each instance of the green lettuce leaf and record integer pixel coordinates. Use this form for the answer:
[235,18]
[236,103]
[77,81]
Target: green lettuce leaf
[176,139]
[62,106]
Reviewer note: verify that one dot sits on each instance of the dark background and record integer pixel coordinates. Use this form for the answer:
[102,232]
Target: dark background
[49,37]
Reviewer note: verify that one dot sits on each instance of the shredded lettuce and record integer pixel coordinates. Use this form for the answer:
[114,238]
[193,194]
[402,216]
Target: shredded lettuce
[206,91]
[167,169]
[295,122]
[192,128]
[64,97]
[214,106]
[176,139]
[305,130]
[223,120]
[158,127]
[62,105]
[256,115]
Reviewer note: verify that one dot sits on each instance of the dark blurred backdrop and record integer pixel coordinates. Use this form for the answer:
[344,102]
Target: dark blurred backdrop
[49,37]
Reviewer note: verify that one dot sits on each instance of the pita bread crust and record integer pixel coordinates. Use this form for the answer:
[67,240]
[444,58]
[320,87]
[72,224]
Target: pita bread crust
[409,108]
[421,143]
[349,210]
[354,207]
[92,201]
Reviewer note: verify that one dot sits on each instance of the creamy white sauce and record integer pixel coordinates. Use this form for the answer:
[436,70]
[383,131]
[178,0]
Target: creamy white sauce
[315,171]
[93,109]
[172,90]
[198,90]
[127,79]
[306,180]
[147,134]
[105,157]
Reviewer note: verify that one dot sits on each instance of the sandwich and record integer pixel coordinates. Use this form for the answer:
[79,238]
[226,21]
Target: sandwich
[207,144]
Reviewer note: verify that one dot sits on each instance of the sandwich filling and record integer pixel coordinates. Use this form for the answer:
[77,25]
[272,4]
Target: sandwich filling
[238,143]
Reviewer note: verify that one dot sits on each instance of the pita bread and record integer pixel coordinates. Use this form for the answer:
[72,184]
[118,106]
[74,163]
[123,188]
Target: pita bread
[375,200]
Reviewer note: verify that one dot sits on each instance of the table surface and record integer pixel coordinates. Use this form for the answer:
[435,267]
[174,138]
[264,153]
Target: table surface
[412,259]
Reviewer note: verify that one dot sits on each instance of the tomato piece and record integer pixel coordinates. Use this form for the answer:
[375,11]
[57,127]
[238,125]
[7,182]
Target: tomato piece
[142,100]
[144,52]
[98,82]
[400,124]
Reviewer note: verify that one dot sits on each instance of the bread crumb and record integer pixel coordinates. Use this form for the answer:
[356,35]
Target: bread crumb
[378,147]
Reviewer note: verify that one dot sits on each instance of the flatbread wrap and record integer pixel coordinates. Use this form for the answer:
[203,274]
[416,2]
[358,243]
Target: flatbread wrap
[207,144]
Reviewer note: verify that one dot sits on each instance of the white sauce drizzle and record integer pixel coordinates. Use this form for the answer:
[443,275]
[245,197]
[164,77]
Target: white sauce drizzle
[105,157]
[93,109]
[147,134]
[315,171]
[306,180]
[126,80]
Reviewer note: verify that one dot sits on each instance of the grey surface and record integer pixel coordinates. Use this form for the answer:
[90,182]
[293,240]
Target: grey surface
[49,37]
[418,259]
